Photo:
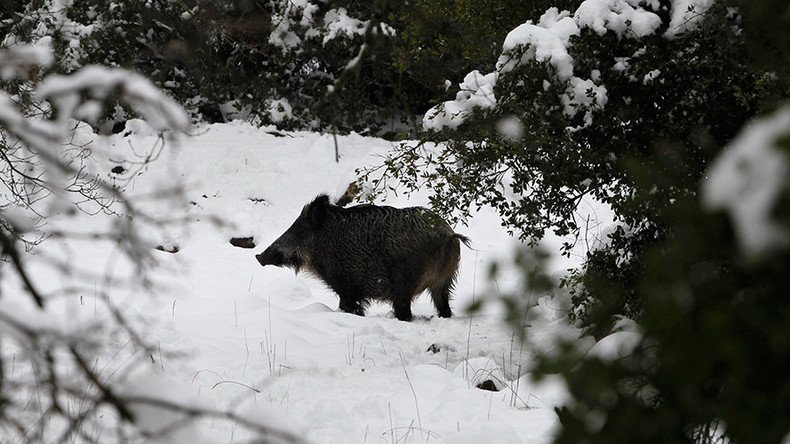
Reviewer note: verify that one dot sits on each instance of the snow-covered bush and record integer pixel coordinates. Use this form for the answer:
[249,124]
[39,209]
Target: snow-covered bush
[708,362]
[364,66]
[624,101]
[206,54]
[750,180]
[54,382]
[705,363]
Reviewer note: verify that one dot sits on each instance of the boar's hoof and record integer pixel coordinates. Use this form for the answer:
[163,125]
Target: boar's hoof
[352,307]
[242,242]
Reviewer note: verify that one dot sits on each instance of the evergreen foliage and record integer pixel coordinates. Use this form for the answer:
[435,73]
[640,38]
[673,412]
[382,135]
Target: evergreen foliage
[273,61]
[668,112]
[440,41]
[714,347]
[713,320]
[279,62]
[709,365]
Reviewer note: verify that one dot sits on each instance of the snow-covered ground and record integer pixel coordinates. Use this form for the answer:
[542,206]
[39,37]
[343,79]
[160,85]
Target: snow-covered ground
[272,344]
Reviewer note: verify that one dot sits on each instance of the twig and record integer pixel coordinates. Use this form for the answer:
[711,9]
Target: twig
[414,394]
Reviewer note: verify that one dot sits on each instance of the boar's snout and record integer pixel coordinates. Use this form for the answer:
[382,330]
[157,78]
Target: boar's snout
[270,256]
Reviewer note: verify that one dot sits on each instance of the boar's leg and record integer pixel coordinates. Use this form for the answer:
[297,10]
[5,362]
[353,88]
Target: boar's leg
[441,298]
[401,296]
[351,299]
[351,305]
[402,308]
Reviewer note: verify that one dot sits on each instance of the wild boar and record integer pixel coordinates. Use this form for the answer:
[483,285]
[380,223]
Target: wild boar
[369,252]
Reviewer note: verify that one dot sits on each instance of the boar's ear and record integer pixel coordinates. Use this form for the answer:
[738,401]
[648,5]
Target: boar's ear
[317,209]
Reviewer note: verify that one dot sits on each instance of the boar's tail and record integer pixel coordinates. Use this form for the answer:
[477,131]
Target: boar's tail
[464,239]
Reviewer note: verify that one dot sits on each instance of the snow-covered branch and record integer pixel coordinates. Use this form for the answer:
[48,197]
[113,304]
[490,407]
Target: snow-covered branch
[49,174]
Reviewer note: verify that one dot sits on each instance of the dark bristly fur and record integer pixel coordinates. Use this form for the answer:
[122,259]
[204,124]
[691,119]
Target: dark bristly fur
[369,252]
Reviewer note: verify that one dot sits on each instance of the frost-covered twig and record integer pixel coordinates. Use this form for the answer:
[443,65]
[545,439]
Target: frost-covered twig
[66,395]
[193,412]
[10,251]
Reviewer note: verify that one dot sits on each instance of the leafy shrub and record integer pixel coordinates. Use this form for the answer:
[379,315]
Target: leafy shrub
[628,112]
[286,63]
[713,339]
[271,60]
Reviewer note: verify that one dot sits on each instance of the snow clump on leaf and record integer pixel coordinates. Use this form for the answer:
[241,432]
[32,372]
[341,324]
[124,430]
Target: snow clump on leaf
[748,180]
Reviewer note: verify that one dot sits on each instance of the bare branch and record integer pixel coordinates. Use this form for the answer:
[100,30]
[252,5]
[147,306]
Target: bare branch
[9,249]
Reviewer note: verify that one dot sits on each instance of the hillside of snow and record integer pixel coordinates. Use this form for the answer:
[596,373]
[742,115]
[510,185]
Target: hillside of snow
[273,345]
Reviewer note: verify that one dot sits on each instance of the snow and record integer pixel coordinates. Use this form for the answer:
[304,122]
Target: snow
[17,60]
[280,110]
[586,95]
[747,181]
[686,16]
[271,346]
[624,17]
[481,369]
[547,42]
[616,346]
[300,16]
[148,384]
[477,91]
[36,132]
[53,18]
[337,22]
[296,12]
[621,64]
[159,110]
[283,37]
[21,220]
[652,75]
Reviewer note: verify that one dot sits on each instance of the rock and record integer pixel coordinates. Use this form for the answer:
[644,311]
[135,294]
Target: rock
[483,373]
[436,347]
[118,127]
[488,385]
[243,242]
[258,200]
